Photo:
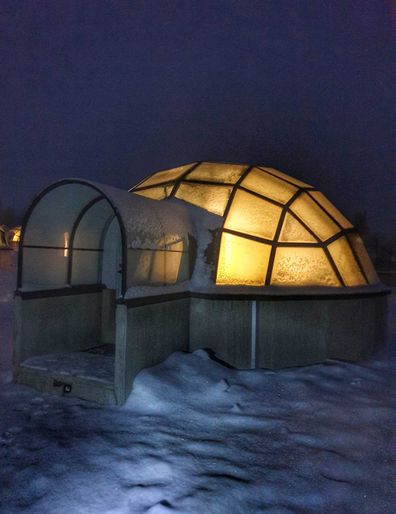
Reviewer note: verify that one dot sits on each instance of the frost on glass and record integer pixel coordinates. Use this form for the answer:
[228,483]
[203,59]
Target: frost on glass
[314,217]
[297,266]
[346,264]
[242,261]
[44,268]
[86,267]
[156,267]
[166,175]
[253,215]
[283,176]
[333,211]
[146,267]
[217,172]
[210,198]
[364,258]
[267,185]
[155,193]
[294,231]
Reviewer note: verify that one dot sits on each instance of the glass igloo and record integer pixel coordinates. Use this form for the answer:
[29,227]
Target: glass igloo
[276,230]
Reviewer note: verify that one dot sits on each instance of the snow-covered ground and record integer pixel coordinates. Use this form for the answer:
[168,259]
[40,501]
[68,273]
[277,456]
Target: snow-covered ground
[197,437]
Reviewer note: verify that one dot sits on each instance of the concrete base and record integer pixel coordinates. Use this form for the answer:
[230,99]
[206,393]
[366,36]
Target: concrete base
[147,335]
[66,385]
[223,327]
[264,332]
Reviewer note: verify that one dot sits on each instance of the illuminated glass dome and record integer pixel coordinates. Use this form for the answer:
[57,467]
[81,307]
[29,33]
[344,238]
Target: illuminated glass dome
[275,230]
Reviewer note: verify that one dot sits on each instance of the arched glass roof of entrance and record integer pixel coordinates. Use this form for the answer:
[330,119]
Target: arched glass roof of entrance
[64,238]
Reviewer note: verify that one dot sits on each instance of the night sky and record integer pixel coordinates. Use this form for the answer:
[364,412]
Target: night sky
[114,90]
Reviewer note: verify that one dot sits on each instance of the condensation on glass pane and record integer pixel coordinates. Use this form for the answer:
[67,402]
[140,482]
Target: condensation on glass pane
[364,258]
[209,197]
[173,261]
[313,216]
[267,185]
[156,267]
[285,177]
[252,215]
[346,263]
[217,172]
[293,231]
[44,268]
[333,211]
[242,261]
[89,231]
[297,266]
[146,267]
[155,193]
[174,246]
[166,175]
[86,267]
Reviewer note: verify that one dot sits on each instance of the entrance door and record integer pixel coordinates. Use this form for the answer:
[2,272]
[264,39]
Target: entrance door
[112,258]
[111,277]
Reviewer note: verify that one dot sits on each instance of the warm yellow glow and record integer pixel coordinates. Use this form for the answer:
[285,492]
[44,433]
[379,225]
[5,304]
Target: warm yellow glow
[172,266]
[363,256]
[314,217]
[155,193]
[256,210]
[267,185]
[217,172]
[285,177]
[242,261]
[299,266]
[211,198]
[66,244]
[253,215]
[154,267]
[293,231]
[333,211]
[346,264]
[166,175]
[175,246]
[16,237]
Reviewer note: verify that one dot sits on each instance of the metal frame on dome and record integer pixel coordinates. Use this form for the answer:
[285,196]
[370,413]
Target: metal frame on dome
[274,243]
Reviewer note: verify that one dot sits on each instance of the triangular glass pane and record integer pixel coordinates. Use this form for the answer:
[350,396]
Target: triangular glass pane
[293,231]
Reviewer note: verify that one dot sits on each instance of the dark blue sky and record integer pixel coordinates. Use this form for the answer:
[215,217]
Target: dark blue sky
[113,90]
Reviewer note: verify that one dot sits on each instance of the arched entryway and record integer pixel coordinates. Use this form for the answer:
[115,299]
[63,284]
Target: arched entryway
[72,264]
[72,236]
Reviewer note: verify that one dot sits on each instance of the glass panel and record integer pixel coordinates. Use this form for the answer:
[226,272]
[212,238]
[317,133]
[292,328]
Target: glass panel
[155,193]
[313,216]
[364,258]
[156,267]
[211,198]
[293,231]
[265,184]
[175,267]
[242,261]
[146,267]
[217,172]
[333,211]
[302,267]
[56,213]
[86,267]
[279,174]
[346,263]
[166,175]
[89,232]
[44,268]
[253,215]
